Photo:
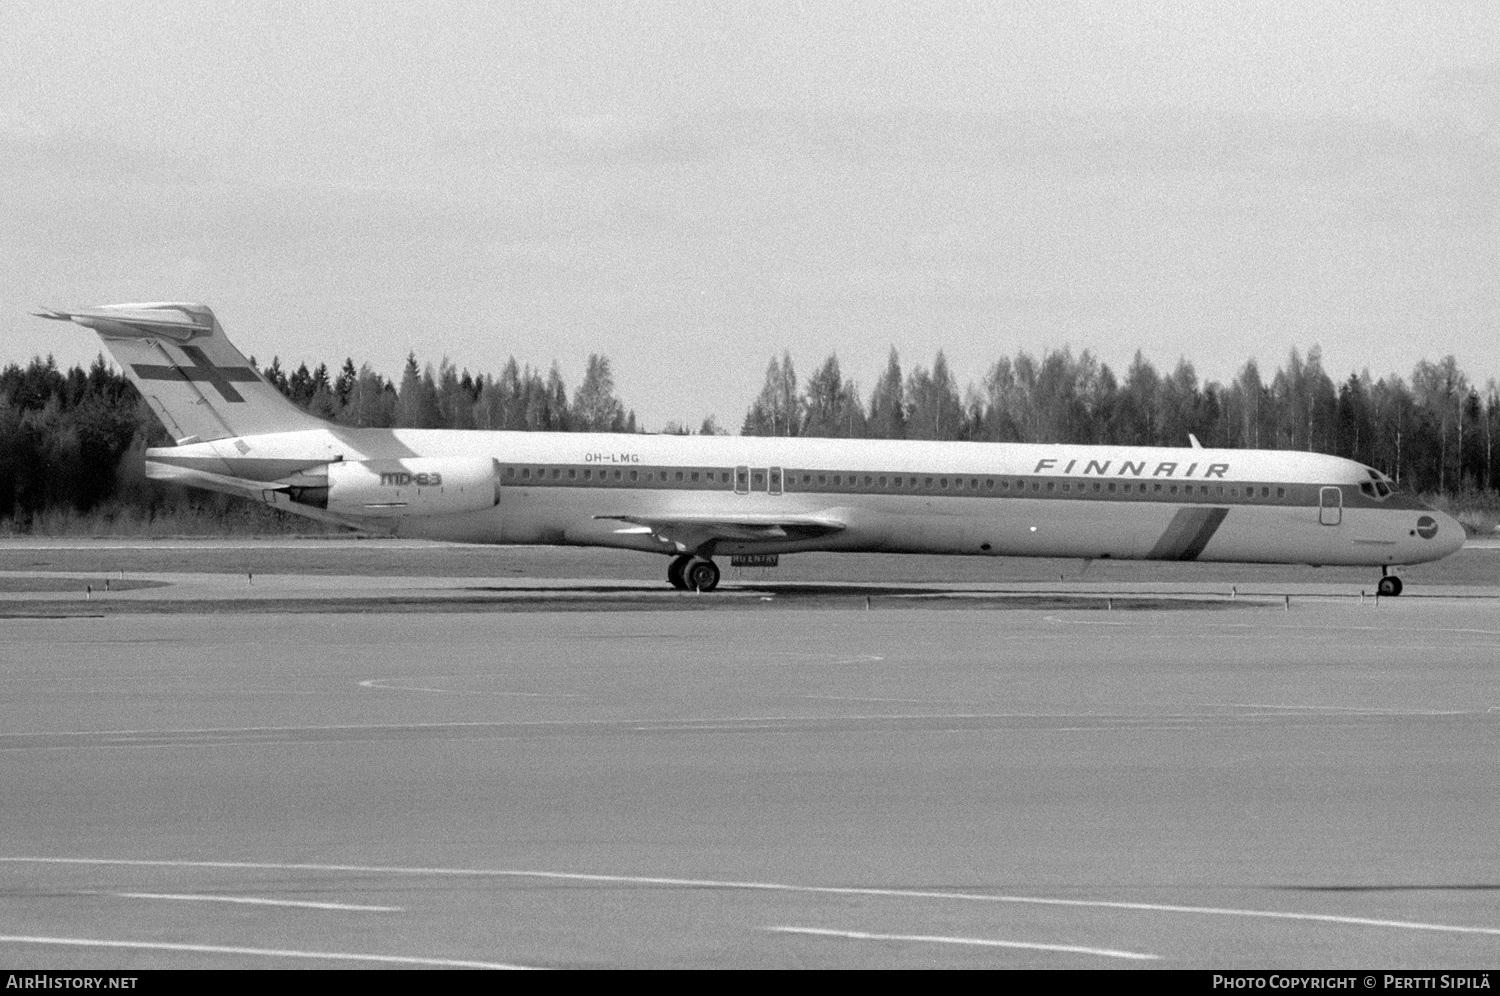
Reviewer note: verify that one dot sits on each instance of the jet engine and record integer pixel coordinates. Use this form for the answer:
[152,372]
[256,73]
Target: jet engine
[400,488]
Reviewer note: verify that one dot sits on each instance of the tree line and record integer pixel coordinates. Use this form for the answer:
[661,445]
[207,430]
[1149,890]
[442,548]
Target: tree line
[1434,432]
[71,440]
[520,398]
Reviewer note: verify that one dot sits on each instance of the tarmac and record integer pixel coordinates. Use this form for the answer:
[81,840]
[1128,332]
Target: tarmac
[366,770]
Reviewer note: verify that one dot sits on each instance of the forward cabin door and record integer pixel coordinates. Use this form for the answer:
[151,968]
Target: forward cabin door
[1331,506]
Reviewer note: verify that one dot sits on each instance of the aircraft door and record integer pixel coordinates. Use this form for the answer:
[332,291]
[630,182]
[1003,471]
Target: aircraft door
[773,481]
[742,480]
[1331,506]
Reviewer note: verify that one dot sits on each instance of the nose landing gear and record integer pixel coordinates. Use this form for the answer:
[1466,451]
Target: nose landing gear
[689,573]
[1389,586]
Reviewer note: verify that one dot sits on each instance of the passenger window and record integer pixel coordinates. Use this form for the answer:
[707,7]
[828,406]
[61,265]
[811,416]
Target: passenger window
[806,478]
[1111,487]
[822,479]
[882,482]
[1036,485]
[572,473]
[634,475]
[1265,492]
[556,473]
[1004,485]
[757,478]
[1281,492]
[927,483]
[868,479]
[617,475]
[943,483]
[1158,489]
[526,473]
[693,477]
[1096,486]
[989,483]
[510,472]
[1051,485]
[1174,489]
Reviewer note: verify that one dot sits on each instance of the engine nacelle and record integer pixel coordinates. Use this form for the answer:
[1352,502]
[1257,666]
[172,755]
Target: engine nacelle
[406,487]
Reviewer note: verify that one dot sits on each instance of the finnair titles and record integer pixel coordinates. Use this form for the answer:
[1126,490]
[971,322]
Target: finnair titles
[695,498]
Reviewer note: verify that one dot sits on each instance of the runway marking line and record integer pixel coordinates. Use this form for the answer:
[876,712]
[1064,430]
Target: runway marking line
[1363,710]
[258,901]
[825,890]
[853,698]
[90,942]
[665,725]
[383,685]
[983,942]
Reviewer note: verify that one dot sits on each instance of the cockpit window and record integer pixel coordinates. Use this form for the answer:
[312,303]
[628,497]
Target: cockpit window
[1378,486]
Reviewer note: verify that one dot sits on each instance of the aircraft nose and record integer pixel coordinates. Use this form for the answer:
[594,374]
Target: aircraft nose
[1450,533]
[1437,534]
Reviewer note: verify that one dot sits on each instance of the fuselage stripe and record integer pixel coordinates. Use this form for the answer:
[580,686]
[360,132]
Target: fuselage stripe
[1188,533]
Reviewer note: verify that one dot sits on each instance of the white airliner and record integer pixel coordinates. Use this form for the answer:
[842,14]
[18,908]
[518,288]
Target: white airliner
[697,497]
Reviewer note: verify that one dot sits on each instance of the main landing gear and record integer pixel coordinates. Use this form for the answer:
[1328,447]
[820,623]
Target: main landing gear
[690,573]
[1389,586]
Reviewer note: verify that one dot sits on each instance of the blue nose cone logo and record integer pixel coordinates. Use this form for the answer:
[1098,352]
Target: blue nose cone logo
[1427,527]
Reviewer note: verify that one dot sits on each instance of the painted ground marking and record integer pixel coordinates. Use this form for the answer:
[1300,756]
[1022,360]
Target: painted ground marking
[859,935]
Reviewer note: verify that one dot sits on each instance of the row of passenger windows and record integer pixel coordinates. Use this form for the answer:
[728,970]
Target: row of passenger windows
[800,480]
[871,481]
[606,474]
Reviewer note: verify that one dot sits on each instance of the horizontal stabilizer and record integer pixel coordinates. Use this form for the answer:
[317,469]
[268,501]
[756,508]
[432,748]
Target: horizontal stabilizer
[187,370]
[178,322]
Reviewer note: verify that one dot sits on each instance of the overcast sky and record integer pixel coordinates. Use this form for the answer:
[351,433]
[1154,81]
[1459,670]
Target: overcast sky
[688,188]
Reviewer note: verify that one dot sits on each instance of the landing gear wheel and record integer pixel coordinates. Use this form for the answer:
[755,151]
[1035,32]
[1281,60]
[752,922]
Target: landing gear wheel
[1389,586]
[702,575]
[674,571]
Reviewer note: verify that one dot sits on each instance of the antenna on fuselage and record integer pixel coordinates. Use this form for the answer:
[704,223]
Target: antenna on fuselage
[1193,442]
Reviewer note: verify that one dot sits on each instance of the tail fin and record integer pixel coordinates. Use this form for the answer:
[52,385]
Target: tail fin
[198,384]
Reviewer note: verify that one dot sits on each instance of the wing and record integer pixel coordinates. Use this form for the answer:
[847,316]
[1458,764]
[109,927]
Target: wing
[692,532]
